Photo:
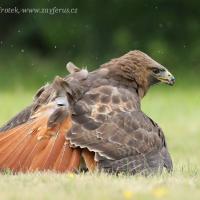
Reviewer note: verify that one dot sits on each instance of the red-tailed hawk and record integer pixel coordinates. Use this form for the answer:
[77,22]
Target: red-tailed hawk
[90,119]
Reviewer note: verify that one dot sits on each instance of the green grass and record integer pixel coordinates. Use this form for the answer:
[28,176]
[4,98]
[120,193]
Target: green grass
[98,186]
[175,109]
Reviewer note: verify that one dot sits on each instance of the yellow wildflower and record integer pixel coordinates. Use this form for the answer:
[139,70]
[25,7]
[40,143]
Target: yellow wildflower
[160,192]
[128,194]
[70,175]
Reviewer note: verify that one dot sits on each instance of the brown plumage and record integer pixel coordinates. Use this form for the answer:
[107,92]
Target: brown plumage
[90,120]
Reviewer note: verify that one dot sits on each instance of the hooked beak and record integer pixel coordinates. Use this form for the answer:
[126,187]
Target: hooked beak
[166,77]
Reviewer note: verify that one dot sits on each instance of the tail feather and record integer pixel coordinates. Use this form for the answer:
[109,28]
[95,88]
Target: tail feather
[45,159]
[36,146]
[5,149]
[37,149]
[40,144]
[89,159]
[9,149]
[14,142]
[63,159]
[8,139]
[14,158]
[75,160]
[56,147]
[24,160]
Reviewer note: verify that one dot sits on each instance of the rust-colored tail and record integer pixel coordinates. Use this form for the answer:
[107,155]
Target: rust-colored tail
[40,143]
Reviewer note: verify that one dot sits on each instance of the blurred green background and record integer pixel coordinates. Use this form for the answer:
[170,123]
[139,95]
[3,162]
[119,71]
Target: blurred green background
[36,47]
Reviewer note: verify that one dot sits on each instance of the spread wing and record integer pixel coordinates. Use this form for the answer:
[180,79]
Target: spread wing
[108,121]
[35,138]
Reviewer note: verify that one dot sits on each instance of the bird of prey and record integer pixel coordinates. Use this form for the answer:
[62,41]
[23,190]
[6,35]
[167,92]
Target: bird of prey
[90,120]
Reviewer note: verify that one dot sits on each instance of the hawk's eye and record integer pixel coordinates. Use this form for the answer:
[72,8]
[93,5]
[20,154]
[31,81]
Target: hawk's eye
[156,71]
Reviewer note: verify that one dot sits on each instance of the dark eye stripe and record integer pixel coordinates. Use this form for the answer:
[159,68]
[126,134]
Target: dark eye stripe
[156,71]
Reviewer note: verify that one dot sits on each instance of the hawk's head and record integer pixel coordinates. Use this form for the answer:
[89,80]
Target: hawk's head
[138,67]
